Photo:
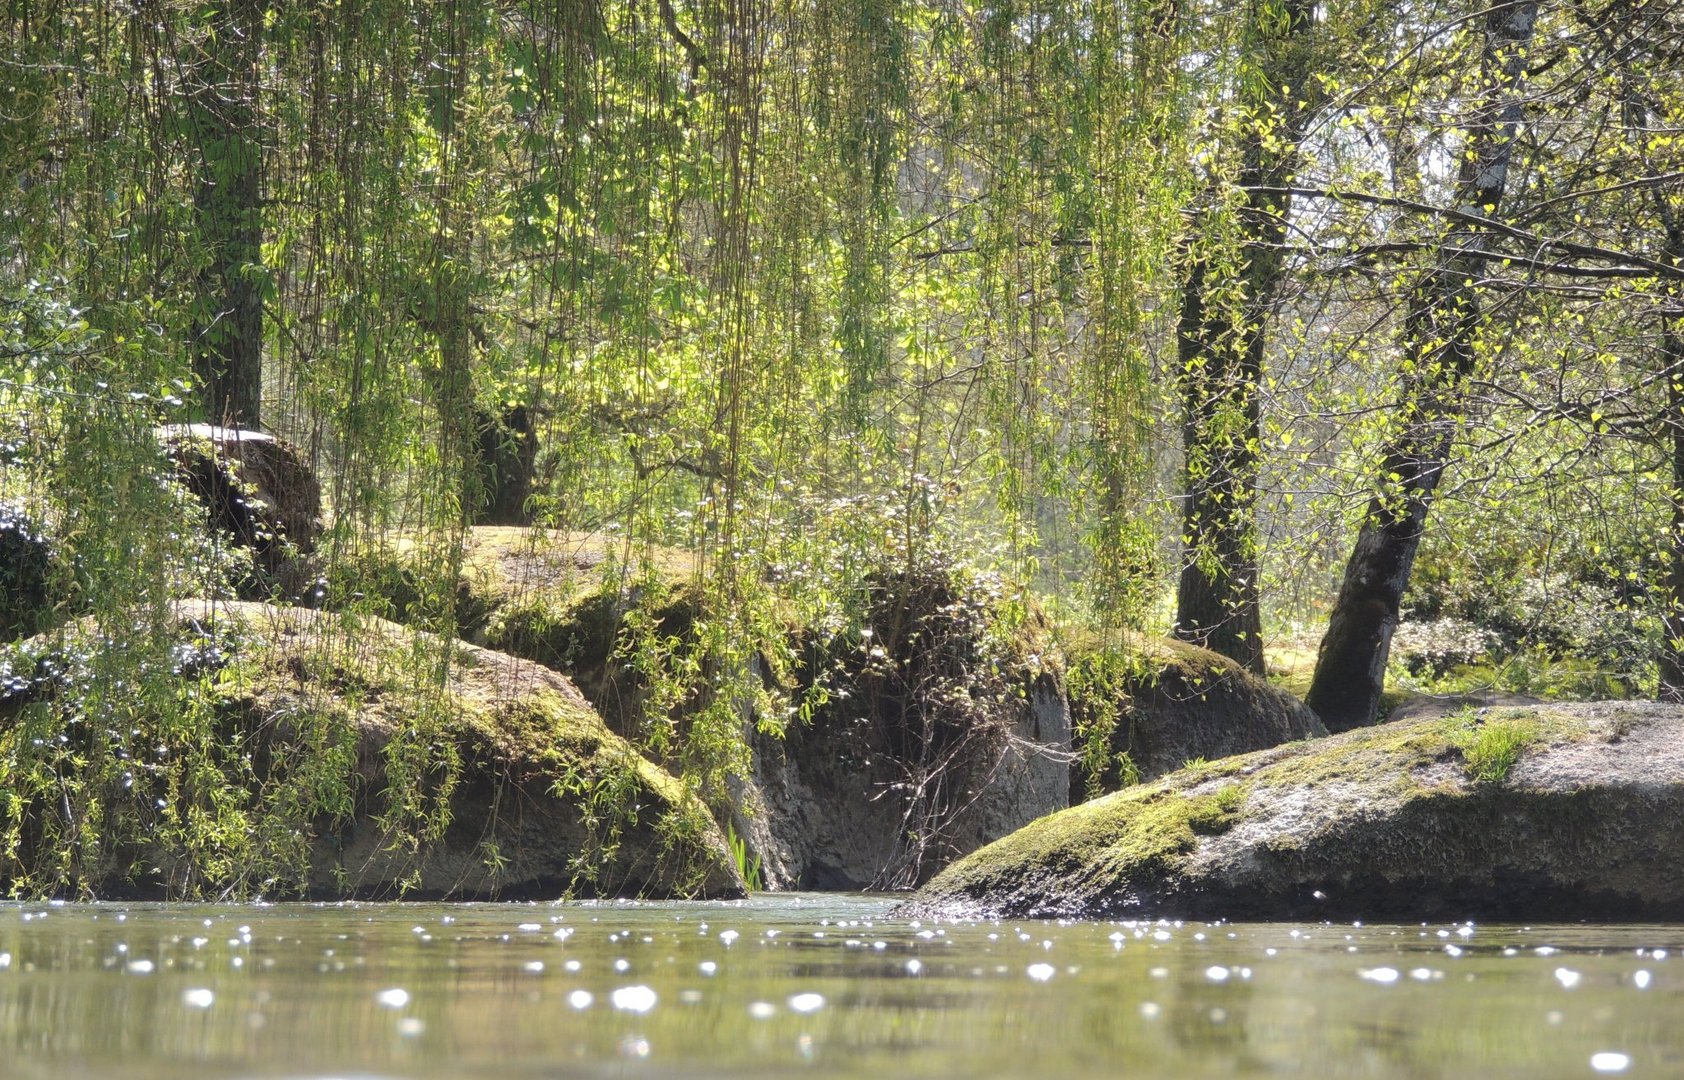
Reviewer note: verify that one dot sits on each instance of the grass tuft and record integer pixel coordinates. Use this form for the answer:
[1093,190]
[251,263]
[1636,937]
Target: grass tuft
[1491,749]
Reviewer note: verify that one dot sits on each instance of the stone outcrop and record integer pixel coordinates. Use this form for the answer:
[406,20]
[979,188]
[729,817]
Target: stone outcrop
[1547,813]
[365,760]
[258,490]
[947,733]
[944,728]
[1172,703]
[834,806]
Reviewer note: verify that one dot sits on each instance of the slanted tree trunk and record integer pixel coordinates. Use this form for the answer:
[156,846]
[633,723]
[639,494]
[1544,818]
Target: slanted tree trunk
[227,209]
[1220,352]
[1440,331]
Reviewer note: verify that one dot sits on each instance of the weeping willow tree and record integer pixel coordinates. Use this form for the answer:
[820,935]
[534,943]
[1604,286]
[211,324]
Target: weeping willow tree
[817,293]
[808,287]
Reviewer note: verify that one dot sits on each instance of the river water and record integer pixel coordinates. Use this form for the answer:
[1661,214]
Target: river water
[818,986]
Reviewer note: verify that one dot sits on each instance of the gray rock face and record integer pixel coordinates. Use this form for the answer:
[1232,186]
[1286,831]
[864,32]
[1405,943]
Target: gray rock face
[1555,812]
[832,808]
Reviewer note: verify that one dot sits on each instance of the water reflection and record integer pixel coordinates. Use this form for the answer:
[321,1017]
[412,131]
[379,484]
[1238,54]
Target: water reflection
[821,986]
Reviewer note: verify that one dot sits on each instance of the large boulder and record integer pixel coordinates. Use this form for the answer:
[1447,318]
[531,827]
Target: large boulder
[1147,706]
[257,489]
[1550,813]
[282,752]
[943,725]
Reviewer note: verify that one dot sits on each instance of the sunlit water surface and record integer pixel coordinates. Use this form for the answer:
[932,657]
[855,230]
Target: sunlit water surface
[822,986]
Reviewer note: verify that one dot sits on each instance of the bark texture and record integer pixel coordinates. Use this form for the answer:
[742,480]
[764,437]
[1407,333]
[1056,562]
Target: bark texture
[227,208]
[1671,675]
[1220,346]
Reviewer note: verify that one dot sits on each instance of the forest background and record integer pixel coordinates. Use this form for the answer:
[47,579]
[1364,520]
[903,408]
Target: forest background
[1257,322]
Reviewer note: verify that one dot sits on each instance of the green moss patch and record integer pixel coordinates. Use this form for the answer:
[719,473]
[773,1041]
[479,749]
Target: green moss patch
[1121,844]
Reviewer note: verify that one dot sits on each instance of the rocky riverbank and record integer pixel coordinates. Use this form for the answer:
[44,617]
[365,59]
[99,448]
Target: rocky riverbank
[1543,813]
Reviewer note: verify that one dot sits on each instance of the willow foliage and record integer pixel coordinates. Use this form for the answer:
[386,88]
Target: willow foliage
[808,287]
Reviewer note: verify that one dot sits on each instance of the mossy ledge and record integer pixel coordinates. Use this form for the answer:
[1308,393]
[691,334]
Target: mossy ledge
[279,752]
[558,599]
[1404,821]
[1143,707]
[874,770]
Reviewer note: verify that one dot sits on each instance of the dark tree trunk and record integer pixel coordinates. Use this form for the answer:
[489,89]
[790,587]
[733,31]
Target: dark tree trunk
[508,453]
[1671,681]
[1220,355]
[227,207]
[1439,348]
[1217,597]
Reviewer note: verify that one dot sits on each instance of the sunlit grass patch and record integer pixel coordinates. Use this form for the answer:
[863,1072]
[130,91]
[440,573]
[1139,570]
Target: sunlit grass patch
[1492,748]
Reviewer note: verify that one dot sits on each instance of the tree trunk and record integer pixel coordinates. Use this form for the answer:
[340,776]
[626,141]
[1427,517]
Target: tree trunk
[1440,329]
[1671,681]
[1220,354]
[1217,597]
[507,448]
[227,208]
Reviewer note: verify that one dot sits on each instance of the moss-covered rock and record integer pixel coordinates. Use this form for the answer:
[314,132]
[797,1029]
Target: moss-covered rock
[1146,706]
[559,599]
[282,752]
[1556,812]
[939,723]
